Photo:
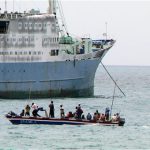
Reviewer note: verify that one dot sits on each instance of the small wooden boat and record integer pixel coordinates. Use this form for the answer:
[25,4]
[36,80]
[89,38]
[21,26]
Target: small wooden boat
[15,119]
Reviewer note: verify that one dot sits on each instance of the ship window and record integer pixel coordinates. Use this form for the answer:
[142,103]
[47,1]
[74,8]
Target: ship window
[15,53]
[30,25]
[4,25]
[52,52]
[20,40]
[25,53]
[26,39]
[20,25]
[57,51]
[11,53]
[26,26]
[29,53]
[35,25]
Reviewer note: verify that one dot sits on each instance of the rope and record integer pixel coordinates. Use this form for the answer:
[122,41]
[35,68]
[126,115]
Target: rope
[113,79]
[112,100]
[62,16]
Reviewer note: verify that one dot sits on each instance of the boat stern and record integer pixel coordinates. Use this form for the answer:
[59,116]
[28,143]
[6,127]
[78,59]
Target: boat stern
[121,122]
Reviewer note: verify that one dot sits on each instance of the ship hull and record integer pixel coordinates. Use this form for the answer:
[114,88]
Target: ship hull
[48,79]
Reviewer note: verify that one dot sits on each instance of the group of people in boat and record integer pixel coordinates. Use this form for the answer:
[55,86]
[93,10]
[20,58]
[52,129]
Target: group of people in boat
[77,114]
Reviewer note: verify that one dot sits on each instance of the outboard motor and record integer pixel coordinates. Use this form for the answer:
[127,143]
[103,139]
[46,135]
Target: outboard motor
[121,121]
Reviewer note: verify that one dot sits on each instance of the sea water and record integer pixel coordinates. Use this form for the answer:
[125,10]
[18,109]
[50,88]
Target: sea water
[135,108]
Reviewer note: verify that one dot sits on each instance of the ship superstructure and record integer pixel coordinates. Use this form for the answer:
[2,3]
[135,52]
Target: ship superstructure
[38,60]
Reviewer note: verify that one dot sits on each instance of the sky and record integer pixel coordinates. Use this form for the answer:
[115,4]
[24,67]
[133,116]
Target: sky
[128,22]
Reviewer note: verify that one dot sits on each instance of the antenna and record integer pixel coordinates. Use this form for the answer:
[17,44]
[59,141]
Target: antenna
[5,5]
[13,5]
[106,29]
[105,34]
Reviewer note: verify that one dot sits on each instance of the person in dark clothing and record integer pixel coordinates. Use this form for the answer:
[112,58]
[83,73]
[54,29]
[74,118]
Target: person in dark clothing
[107,110]
[51,112]
[35,110]
[79,111]
[89,116]
[82,117]
[22,113]
[35,113]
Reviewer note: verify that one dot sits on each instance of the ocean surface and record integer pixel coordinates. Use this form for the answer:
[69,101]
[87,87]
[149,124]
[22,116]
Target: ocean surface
[135,107]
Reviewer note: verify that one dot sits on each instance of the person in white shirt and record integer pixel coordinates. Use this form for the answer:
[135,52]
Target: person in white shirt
[35,110]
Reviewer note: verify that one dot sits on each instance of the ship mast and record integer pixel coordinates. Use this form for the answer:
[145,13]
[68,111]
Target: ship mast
[52,7]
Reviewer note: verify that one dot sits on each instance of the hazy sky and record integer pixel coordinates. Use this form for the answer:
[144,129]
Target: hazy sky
[128,23]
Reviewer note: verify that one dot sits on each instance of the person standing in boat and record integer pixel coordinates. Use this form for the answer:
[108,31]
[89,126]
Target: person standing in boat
[75,113]
[62,113]
[107,110]
[97,114]
[27,110]
[79,111]
[51,111]
[95,117]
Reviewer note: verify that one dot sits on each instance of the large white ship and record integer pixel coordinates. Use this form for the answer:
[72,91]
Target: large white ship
[38,60]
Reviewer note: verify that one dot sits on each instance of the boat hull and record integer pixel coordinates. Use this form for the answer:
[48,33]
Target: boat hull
[48,79]
[48,121]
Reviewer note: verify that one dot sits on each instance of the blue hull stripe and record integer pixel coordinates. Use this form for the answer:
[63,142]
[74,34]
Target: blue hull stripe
[56,122]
